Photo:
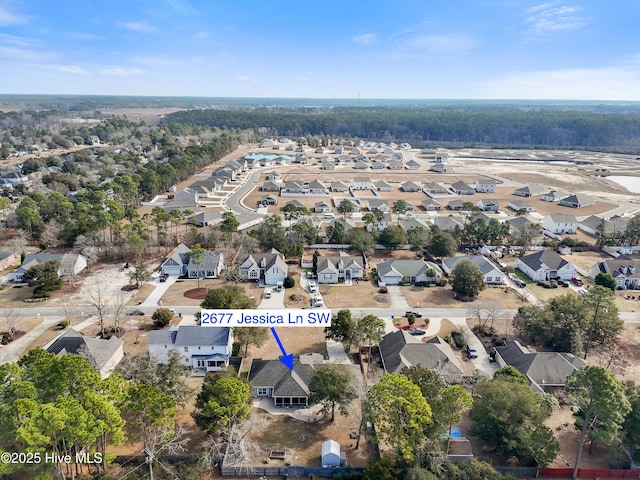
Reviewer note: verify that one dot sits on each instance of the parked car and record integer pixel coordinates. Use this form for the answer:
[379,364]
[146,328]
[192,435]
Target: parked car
[582,291]
[313,288]
[472,352]
[577,281]
[317,301]
[417,331]
[137,312]
[517,282]
[415,314]
[267,293]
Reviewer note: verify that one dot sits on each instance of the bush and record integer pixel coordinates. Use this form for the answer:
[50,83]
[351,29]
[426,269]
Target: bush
[63,324]
[457,339]
[289,282]
[383,290]
[161,317]
[235,349]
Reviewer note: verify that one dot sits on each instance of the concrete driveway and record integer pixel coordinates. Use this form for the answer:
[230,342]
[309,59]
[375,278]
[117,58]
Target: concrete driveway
[277,298]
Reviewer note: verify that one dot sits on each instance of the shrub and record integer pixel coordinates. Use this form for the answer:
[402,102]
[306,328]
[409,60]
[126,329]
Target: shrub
[383,290]
[235,349]
[161,317]
[457,339]
[411,319]
[63,324]
[289,282]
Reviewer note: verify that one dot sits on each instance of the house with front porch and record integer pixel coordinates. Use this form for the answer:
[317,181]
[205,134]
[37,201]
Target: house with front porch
[322,207]
[491,274]
[625,270]
[335,268]
[487,205]
[270,378]
[378,204]
[203,349]
[546,265]
[211,265]
[395,272]
[268,267]
[577,200]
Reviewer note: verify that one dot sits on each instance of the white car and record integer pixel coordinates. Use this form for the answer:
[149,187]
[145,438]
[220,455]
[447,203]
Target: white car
[313,288]
[267,293]
[582,291]
[317,301]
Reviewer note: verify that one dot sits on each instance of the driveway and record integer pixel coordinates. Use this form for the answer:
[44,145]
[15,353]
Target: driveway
[276,301]
[153,300]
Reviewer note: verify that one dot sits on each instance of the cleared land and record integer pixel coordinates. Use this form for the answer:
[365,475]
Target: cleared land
[442,297]
[361,294]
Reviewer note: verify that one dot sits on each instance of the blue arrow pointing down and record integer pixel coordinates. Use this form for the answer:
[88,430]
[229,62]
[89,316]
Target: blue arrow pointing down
[287,359]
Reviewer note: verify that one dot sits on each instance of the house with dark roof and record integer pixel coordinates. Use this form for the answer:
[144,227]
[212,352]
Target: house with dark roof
[491,273]
[334,268]
[400,349]
[625,270]
[394,272]
[578,200]
[461,188]
[204,349]
[104,355]
[268,267]
[6,259]
[268,200]
[288,388]
[560,223]
[546,265]
[544,370]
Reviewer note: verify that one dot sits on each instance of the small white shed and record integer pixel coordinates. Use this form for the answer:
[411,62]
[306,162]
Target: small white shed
[330,454]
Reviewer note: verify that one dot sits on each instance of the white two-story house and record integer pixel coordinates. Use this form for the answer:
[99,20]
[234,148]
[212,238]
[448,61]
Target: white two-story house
[268,267]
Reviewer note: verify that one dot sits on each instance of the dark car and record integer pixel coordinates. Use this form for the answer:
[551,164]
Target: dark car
[415,314]
[417,331]
[137,312]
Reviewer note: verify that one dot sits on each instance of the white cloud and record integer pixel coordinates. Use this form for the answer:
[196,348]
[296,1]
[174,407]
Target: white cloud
[183,7]
[160,61]
[84,36]
[22,55]
[7,39]
[143,27]
[120,72]
[7,18]
[73,69]
[549,18]
[621,82]
[365,39]
[438,44]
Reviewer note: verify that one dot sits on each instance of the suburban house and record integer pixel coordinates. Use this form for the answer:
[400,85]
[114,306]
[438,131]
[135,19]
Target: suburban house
[204,349]
[517,205]
[432,188]
[396,164]
[544,370]
[490,272]
[462,188]
[274,176]
[268,267]
[399,350]
[546,265]
[293,187]
[560,223]
[327,165]
[377,204]
[430,205]
[485,185]
[322,207]
[530,191]
[487,205]
[516,223]
[382,186]
[577,200]
[70,264]
[361,183]
[206,218]
[625,270]
[553,196]
[410,187]
[210,266]
[594,225]
[458,204]
[448,223]
[204,188]
[272,379]
[333,269]
[104,355]
[15,178]
[176,262]
[270,186]
[441,158]
[412,165]
[408,223]
[295,203]
[269,200]
[316,186]
[6,259]
[339,187]
[394,272]
[441,168]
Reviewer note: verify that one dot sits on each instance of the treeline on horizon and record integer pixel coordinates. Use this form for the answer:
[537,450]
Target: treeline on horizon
[493,126]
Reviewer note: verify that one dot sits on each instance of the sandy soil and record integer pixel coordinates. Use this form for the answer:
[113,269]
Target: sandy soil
[442,297]
[359,295]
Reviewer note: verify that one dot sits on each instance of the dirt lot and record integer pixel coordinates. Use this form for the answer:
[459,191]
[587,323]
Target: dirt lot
[302,441]
[423,297]
[297,340]
[362,294]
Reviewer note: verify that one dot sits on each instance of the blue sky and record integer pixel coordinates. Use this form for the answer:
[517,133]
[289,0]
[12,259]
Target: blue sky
[511,49]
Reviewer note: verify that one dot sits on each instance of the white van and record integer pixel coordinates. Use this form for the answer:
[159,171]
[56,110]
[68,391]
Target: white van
[328,215]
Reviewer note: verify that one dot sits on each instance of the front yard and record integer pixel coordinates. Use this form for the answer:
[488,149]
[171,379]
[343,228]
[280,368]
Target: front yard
[429,297]
[362,294]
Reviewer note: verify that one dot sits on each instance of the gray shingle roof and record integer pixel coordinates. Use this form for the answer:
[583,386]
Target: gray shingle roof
[548,257]
[406,268]
[398,350]
[483,263]
[541,368]
[285,382]
[99,351]
[191,335]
